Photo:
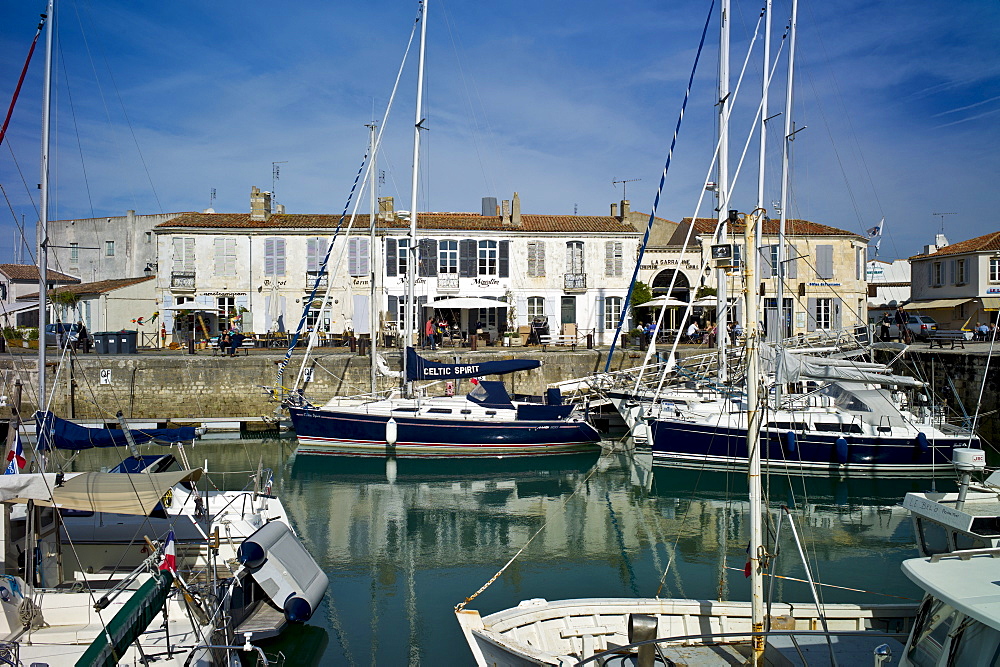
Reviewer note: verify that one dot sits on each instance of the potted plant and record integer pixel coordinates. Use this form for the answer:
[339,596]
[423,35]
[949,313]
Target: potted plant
[635,336]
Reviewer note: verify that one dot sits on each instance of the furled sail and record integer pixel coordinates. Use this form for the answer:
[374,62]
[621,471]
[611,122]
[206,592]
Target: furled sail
[62,434]
[796,367]
[418,368]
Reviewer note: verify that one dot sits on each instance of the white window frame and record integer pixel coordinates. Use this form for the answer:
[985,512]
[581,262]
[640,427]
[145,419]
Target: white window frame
[612,312]
[995,269]
[448,257]
[536,307]
[74,253]
[226,308]
[109,248]
[824,313]
[402,256]
[773,259]
[938,273]
[961,275]
[575,257]
[488,258]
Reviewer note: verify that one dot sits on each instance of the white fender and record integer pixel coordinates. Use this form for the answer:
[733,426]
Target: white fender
[391,432]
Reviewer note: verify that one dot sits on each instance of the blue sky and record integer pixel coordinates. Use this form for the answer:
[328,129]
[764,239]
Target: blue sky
[159,103]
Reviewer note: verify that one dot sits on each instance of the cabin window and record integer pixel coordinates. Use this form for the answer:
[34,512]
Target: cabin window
[977,644]
[789,426]
[404,409]
[466,412]
[440,411]
[930,635]
[490,413]
[933,537]
[835,427]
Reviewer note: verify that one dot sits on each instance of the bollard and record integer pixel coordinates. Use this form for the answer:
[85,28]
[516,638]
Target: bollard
[353,343]
[474,340]
[362,347]
[190,345]
[590,341]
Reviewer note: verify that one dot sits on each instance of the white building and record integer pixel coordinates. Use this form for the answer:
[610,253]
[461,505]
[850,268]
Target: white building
[107,305]
[261,268]
[888,285]
[957,284]
[18,281]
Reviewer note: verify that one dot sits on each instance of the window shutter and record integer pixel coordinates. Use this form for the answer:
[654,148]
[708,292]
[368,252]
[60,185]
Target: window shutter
[391,263]
[312,252]
[364,257]
[468,252]
[279,257]
[764,261]
[811,315]
[522,309]
[532,259]
[178,254]
[824,262]
[791,266]
[503,259]
[540,261]
[230,257]
[269,252]
[220,256]
[427,264]
[619,258]
[393,308]
[352,256]
[836,304]
[600,315]
[609,258]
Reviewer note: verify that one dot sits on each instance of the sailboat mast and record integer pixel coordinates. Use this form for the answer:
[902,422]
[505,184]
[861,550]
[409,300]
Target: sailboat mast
[410,318]
[43,216]
[374,305]
[754,415]
[723,184]
[785,146]
[762,153]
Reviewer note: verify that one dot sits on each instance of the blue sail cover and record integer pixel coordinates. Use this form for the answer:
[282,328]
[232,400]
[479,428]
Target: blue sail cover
[418,368]
[61,434]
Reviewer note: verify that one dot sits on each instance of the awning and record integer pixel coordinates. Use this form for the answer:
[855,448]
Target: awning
[937,303]
[191,307]
[990,302]
[465,303]
[120,493]
[664,301]
[19,307]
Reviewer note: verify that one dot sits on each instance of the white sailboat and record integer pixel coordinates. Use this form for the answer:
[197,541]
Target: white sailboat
[485,423]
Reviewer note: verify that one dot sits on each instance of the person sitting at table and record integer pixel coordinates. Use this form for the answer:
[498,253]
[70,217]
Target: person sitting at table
[650,331]
[224,342]
[693,335]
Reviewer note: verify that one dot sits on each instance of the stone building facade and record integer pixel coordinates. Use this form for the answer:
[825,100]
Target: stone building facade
[957,284]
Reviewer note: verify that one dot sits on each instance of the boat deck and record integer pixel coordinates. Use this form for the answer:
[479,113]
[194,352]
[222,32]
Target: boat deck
[780,652]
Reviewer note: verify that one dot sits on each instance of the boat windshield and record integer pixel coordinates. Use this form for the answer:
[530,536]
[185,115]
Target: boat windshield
[931,632]
[872,405]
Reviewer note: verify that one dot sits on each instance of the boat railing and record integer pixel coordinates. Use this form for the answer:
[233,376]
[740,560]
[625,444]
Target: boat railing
[730,637]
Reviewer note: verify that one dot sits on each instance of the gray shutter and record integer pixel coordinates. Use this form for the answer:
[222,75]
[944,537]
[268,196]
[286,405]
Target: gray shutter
[364,257]
[312,262]
[764,261]
[824,262]
[600,315]
[269,256]
[838,307]
[468,251]
[391,263]
[540,259]
[532,259]
[352,256]
[791,266]
[393,308]
[219,244]
[811,315]
[279,257]
[552,312]
[522,309]
[427,264]
[503,259]
[609,258]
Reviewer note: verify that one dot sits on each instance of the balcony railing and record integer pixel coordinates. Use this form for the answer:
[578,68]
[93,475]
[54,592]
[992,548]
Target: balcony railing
[182,279]
[311,277]
[575,281]
[448,281]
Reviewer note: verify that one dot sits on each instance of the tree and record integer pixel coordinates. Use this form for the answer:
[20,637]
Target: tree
[640,294]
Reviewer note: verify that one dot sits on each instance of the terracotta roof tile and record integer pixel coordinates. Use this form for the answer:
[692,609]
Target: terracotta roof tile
[30,272]
[438,221]
[986,242]
[770,227]
[91,289]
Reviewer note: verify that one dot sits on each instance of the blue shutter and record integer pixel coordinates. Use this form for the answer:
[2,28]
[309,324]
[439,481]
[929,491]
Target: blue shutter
[364,257]
[269,256]
[279,257]
[811,315]
[352,256]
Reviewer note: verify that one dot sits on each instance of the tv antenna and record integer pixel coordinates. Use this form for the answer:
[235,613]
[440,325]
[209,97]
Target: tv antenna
[623,182]
[211,198]
[275,176]
[942,219]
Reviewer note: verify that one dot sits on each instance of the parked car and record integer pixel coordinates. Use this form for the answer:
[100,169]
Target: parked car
[920,327]
[70,330]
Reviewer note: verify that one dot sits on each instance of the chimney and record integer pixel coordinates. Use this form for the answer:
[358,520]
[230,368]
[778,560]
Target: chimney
[515,215]
[505,212]
[260,204]
[941,241]
[281,209]
[386,208]
[614,210]
[624,210]
[489,207]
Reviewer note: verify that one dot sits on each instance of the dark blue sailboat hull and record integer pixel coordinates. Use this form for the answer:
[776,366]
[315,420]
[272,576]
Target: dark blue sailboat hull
[677,441]
[355,433]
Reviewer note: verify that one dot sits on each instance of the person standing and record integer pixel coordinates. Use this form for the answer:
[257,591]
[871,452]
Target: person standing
[83,337]
[901,320]
[884,326]
[429,328]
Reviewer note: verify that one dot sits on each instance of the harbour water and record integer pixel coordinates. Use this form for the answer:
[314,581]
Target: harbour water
[404,542]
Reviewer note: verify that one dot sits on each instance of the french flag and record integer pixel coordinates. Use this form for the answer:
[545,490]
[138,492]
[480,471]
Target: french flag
[169,556]
[15,458]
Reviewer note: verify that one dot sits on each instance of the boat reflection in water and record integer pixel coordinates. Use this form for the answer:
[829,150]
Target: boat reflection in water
[404,541]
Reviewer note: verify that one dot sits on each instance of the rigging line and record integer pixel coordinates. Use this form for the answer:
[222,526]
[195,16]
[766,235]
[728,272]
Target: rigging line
[365,162]
[20,80]
[822,585]
[76,131]
[24,182]
[656,200]
[982,386]
[20,228]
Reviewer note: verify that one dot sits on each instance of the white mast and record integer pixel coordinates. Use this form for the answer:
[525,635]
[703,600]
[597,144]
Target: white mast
[723,184]
[786,144]
[410,317]
[754,415]
[374,306]
[761,204]
[43,217]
